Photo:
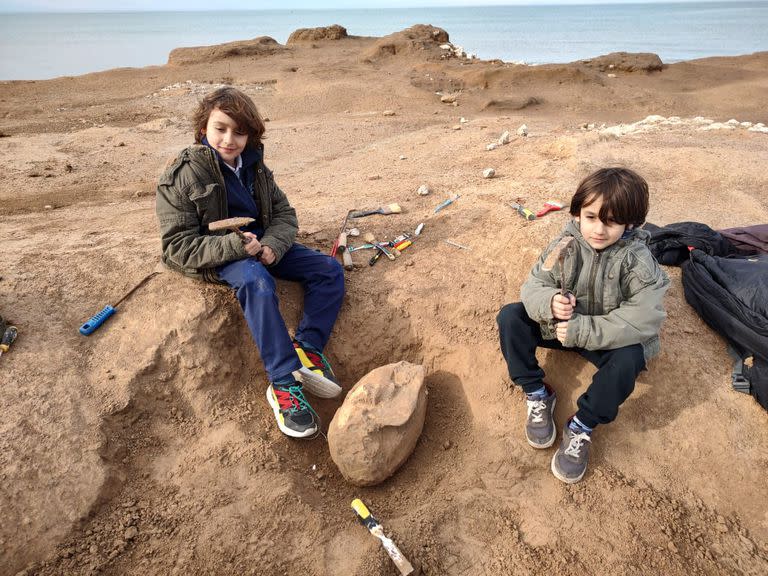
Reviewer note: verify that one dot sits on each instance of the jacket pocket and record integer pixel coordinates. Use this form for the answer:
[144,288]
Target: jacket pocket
[202,197]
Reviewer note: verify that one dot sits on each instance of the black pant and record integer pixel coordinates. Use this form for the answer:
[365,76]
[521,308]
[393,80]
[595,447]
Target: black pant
[613,382]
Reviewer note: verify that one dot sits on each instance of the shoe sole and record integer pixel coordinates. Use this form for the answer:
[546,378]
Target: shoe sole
[560,476]
[317,384]
[279,417]
[552,438]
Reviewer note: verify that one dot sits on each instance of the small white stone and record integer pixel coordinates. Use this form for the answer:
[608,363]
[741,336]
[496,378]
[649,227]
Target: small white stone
[448,98]
[491,146]
[423,190]
[354,232]
[523,130]
[456,127]
[762,129]
[611,66]
[746,124]
[611,75]
[504,138]
[48,207]
[463,120]
[388,113]
[403,157]
[759,125]
[489,173]
[733,122]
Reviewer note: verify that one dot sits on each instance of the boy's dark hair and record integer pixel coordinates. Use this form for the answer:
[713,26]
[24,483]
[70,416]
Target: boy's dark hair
[237,105]
[624,194]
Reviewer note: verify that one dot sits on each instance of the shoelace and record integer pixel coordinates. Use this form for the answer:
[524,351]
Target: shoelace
[576,442]
[536,408]
[292,399]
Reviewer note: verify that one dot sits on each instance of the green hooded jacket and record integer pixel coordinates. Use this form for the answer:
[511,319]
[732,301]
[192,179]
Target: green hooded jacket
[191,194]
[619,293]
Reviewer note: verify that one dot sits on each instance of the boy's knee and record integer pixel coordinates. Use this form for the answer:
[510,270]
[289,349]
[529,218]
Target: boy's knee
[631,357]
[510,314]
[257,279]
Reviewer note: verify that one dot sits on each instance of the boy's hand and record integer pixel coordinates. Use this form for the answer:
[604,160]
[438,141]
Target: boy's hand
[562,331]
[253,247]
[267,255]
[562,306]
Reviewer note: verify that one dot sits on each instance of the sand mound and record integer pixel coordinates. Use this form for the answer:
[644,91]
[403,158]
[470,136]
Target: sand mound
[334,32]
[626,62]
[420,39]
[261,46]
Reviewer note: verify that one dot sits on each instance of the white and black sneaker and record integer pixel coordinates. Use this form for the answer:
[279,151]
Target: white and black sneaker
[569,463]
[540,424]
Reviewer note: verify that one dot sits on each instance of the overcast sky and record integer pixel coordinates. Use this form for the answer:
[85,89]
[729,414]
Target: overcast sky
[142,5]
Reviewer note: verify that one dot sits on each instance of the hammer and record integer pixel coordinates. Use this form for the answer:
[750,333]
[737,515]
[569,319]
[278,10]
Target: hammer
[234,224]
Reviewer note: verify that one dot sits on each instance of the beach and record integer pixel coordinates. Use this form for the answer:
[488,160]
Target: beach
[148,447]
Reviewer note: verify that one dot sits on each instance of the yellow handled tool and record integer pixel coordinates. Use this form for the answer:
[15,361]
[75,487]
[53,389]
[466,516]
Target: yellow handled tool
[365,516]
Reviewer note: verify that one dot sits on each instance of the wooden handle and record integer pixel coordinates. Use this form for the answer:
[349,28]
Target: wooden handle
[346,258]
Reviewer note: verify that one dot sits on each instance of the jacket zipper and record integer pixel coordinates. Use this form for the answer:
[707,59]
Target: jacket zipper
[592,277]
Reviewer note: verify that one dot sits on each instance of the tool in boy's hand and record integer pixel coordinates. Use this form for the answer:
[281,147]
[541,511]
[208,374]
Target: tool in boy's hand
[8,337]
[100,317]
[549,206]
[445,203]
[523,211]
[388,209]
[558,255]
[234,224]
[367,519]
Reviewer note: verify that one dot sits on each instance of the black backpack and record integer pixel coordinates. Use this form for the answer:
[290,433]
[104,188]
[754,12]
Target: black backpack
[731,296]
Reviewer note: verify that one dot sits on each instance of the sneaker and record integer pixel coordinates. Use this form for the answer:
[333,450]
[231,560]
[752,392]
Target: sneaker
[570,461]
[316,373]
[540,425]
[293,413]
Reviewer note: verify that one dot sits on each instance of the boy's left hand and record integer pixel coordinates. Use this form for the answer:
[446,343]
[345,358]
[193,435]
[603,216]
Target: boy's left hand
[267,255]
[562,331]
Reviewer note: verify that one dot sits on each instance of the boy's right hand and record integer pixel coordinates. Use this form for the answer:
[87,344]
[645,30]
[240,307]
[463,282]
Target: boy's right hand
[254,246]
[562,306]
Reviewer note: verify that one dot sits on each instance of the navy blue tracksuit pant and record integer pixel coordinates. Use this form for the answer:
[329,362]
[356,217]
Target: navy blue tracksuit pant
[613,382]
[323,280]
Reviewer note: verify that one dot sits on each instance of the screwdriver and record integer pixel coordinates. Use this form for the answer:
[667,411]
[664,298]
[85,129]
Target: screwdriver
[100,317]
[9,335]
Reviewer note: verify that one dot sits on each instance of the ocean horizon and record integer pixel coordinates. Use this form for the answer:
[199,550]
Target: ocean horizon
[43,45]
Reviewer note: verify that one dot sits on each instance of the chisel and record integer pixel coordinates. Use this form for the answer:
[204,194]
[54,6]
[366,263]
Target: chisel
[100,317]
[367,519]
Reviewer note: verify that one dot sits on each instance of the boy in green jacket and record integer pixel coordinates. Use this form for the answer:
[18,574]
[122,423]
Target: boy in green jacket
[602,298]
[221,176]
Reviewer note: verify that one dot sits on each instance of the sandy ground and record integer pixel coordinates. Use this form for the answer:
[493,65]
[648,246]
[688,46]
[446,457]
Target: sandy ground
[148,448]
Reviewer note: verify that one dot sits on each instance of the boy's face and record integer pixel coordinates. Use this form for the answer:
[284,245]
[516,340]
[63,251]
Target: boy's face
[595,232]
[225,137]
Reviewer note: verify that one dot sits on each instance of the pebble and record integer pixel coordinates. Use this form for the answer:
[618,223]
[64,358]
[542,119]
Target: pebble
[456,127]
[463,120]
[446,445]
[48,207]
[491,146]
[504,138]
[611,75]
[403,157]
[388,113]
[354,232]
[375,176]
[131,533]
[489,173]
[448,98]
[423,190]
[523,130]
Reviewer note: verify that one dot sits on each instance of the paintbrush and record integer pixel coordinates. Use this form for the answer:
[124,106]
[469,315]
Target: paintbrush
[549,206]
[388,209]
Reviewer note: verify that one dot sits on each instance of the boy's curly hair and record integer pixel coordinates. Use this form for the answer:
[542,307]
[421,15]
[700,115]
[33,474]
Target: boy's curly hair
[624,194]
[237,105]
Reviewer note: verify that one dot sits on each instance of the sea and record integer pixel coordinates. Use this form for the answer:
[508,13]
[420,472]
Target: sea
[36,46]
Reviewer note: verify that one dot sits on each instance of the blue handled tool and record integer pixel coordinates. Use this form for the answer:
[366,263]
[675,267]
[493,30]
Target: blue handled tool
[100,317]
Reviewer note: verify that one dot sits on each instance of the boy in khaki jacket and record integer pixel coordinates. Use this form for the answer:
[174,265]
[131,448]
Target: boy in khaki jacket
[602,299]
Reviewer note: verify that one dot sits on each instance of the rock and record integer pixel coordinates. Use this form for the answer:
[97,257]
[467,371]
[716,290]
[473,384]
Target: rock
[334,32]
[733,122]
[421,40]
[377,427]
[611,75]
[131,532]
[456,127]
[492,146]
[448,98]
[489,173]
[403,157]
[388,113]
[261,46]
[48,207]
[423,190]
[626,62]
[374,177]
[523,130]
[504,138]
[463,120]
